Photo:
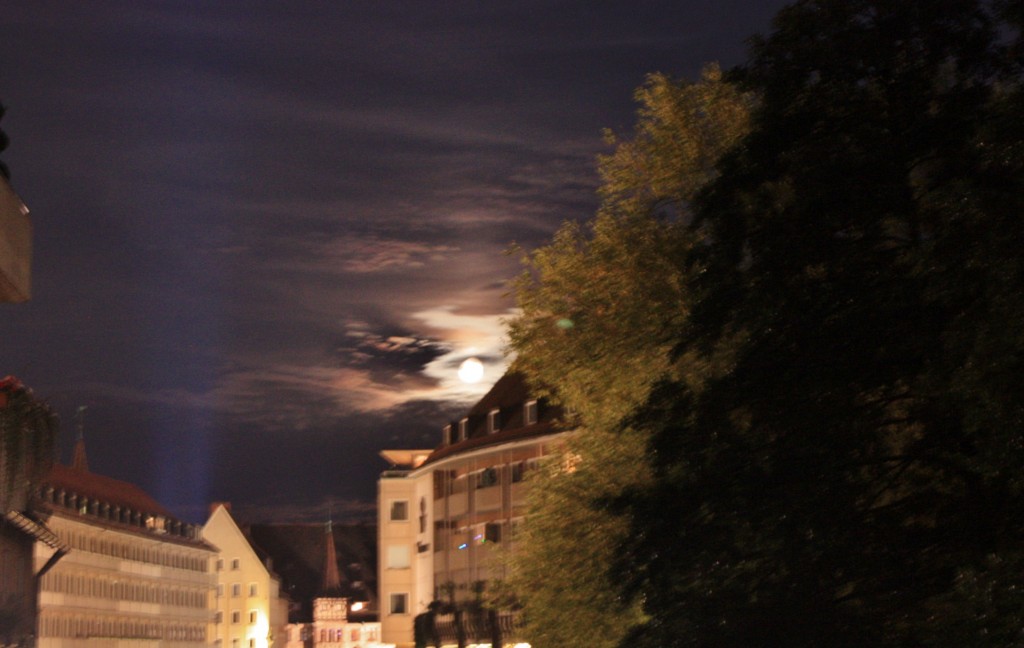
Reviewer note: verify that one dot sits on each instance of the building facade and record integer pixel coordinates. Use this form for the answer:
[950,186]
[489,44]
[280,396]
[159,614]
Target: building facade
[248,609]
[133,575]
[442,512]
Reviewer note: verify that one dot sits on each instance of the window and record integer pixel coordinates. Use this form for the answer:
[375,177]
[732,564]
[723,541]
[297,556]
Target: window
[253,589]
[487,477]
[530,412]
[399,510]
[220,564]
[236,617]
[493,421]
[220,590]
[492,532]
[398,557]
[518,470]
[463,429]
[446,435]
[236,589]
[234,643]
[252,616]
[218,617]
[234,563]
[252,643]
[399,604]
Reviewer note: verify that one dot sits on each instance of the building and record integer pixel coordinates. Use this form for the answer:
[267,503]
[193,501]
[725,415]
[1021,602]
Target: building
[248,609]
[442,511]
[133,575]
[304,554]
[329,625]
[15,247]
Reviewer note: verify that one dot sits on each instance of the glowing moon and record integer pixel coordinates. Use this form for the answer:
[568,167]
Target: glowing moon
[471,371]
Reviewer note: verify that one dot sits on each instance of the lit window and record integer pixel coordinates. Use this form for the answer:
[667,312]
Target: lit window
[530,412]
[399,604]
[493,421]
[399,510]
[398,557]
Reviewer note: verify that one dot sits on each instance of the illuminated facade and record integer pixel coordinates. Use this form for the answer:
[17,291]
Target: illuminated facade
[248,609]
[442,511]
[133,575]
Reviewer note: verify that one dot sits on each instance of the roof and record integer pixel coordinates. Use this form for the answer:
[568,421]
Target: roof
[105,489]
[508,396]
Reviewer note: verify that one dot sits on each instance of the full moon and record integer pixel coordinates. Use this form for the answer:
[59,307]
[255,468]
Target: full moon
[471,371]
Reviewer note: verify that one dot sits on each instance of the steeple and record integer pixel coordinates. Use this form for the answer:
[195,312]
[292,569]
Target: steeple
[79,461]
[332,580]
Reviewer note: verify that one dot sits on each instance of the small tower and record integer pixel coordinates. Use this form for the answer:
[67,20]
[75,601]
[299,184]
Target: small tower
[79,461]
[330,609]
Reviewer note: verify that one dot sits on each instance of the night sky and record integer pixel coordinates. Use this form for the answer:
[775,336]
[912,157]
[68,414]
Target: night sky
[267,233]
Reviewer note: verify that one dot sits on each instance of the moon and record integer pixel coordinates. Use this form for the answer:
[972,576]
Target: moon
[471,371]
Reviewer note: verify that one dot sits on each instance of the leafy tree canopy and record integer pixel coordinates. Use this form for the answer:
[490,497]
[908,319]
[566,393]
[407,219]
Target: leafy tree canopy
[598,306]
[854,474]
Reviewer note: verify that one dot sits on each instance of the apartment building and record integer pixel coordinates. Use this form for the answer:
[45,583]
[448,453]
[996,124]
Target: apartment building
[442,512]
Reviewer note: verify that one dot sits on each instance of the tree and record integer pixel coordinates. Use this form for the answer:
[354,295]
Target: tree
[854,477]
[28,430]
[597,306]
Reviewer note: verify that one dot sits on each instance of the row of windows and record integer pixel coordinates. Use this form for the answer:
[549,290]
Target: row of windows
[450,483]
[236,590]
[494,422]
[464,537]
[94,626]
[154,554]
[116,513]
[119,589]
[235,564]
[366,633]
[236,617]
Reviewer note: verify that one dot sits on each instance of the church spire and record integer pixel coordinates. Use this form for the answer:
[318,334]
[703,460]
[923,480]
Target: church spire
[79,461]
[332,580]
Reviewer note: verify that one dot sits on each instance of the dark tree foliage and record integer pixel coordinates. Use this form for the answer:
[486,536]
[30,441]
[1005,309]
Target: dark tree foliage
[856,476]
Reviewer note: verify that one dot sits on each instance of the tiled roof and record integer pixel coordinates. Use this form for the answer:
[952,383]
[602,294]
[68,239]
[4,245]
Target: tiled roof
[508,395]
[104,489]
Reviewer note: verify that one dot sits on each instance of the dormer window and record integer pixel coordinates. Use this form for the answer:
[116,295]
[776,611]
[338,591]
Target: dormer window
[493,421]
[529,412]
[463,429]
[446,435]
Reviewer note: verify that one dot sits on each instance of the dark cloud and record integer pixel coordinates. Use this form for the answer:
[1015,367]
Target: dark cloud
[221,190]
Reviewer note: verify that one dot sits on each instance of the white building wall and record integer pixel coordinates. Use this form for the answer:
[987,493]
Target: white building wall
[117,588]
[248,611]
